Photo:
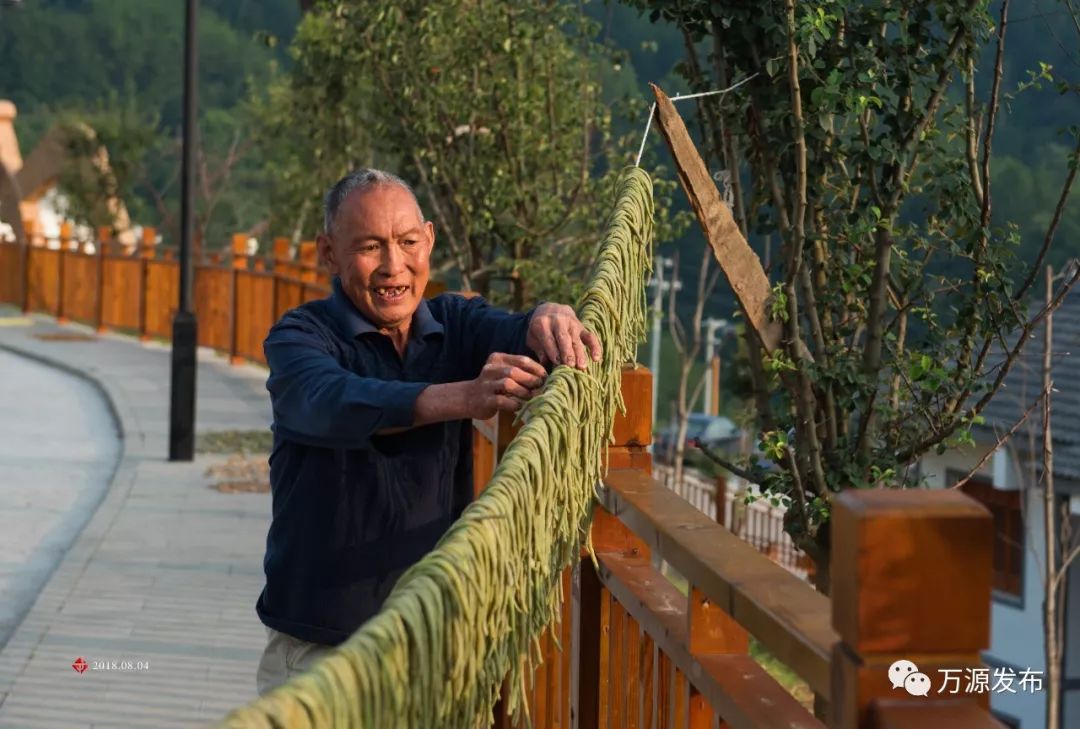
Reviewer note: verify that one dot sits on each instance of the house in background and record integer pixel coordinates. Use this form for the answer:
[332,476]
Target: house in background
[30,203]
[1009,484]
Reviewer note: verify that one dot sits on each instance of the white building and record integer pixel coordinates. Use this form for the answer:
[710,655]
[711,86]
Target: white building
[1009,485]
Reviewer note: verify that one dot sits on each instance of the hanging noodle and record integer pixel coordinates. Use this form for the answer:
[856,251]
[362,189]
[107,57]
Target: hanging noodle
[470,613]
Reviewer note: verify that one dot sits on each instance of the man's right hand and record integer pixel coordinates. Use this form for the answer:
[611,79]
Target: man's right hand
[504,384]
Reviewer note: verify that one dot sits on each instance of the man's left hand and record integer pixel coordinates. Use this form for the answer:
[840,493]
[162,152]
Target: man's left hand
[556,335]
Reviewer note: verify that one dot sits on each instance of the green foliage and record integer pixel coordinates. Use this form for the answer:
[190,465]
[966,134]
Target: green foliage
[903,284]
[106,149]
[117,66]
[493,108]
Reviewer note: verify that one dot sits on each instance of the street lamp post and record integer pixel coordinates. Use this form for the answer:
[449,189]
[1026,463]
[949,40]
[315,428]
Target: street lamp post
[185,326]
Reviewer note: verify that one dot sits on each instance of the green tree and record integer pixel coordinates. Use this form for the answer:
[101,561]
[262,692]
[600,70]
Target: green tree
[105,150]
[860,142]
[493,108]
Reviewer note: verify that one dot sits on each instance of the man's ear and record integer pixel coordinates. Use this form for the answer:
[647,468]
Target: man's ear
[430,228]
[325,246]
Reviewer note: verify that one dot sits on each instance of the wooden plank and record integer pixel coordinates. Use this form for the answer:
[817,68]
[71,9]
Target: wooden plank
[162,297]
[541,676]
[617,661]
[680,699]
[662,682]
[604,708]
[213,306]
[254,313]
[635,426]
[711,629]
[701,714]
[860,681]
[565,674]
[741,266]
[647,674]
[633,676]
[736,687]
[884,588]
[10,272]
[42,275]
[80,287]
[932,715]
[585,666]
[290,294]
[787,615]
[122,292]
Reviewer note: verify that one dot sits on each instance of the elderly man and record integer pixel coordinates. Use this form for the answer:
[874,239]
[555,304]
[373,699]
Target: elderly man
[373,389]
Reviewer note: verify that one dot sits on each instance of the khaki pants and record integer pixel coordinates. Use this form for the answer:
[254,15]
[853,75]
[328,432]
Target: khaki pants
[285,657]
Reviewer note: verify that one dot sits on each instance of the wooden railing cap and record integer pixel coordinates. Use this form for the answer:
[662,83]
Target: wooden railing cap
[909,503]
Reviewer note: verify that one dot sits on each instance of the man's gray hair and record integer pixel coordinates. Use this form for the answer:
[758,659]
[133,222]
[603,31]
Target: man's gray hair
[361,179]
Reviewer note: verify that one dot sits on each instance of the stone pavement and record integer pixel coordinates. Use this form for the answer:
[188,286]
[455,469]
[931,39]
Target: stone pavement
[165,572]
[58,453]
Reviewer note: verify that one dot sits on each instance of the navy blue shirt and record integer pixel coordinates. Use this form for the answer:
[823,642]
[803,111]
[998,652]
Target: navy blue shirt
[353,509]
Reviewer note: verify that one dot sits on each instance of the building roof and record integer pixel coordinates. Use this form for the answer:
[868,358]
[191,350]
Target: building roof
[1023,385]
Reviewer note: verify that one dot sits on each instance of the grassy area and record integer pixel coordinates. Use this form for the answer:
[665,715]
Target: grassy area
[235,441]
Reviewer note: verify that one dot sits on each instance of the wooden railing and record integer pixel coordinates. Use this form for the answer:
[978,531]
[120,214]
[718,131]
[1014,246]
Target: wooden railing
[237,297]
[911,570]
[911,576]
[758,522]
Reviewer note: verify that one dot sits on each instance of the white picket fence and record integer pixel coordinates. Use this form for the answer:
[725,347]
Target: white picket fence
[759,522]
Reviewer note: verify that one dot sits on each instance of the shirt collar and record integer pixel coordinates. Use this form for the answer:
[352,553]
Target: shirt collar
[424,324]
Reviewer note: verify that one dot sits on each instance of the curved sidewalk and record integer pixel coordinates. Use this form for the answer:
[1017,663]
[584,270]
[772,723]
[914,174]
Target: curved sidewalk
[166,571]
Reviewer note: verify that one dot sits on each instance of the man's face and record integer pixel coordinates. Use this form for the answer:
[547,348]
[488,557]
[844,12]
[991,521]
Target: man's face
[380,249]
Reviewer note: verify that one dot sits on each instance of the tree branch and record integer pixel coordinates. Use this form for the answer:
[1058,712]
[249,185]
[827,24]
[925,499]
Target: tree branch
[724,463]
[1001,441]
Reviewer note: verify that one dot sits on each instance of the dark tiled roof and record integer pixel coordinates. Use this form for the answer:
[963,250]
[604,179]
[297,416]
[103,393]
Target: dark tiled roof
[1023,385]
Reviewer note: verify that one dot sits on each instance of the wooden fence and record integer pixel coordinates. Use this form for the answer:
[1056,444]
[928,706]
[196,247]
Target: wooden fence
[725,501]
[639,652]
[635,650]
[237,297]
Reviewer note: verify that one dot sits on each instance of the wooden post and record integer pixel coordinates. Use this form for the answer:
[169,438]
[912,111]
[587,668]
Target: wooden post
[282,254]
[28,227]
[149,240]
[65,243]
[911,579]
[714,379]
[146,254]
[309,261]
[104,238]
[589,671]
[239,250]
[239,264]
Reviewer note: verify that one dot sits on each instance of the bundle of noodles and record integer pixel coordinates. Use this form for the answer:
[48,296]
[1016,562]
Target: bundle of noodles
[470,613]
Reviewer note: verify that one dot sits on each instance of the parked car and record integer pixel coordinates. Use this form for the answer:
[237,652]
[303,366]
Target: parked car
[714,431]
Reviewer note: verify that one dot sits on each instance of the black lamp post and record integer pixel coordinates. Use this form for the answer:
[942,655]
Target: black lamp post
[185,327]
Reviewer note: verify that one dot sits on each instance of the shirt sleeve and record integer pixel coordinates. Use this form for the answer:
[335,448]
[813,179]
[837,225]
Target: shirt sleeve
[319,402]
[487,329]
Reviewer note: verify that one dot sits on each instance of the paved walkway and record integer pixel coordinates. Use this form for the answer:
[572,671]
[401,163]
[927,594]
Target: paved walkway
[166,571]
[59,449]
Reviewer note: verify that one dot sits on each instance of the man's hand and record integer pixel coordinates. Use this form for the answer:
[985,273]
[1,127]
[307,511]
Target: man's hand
[505,382]
[556,335]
